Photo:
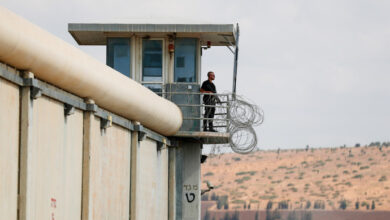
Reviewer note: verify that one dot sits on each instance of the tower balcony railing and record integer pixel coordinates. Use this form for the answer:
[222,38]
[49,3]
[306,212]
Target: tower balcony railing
[193,105]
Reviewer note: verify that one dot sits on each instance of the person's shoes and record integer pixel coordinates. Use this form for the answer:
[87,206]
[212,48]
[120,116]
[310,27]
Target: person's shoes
[212,130]
[204,129]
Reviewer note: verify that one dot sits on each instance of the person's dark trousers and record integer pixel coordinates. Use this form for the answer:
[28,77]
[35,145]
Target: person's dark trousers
[208,113]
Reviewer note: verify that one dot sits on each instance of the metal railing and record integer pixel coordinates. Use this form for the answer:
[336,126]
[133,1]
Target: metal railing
[197,110]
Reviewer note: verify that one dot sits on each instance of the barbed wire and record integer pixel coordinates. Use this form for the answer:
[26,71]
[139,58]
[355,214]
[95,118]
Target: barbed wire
[243,115]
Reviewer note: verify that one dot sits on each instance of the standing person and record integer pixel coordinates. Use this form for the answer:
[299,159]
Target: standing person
[209,100]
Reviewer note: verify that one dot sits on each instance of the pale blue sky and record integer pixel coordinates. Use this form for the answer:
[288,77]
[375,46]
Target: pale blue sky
[319,69]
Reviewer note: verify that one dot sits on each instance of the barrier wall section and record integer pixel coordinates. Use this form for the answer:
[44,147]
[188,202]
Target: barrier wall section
[54,161]
[152,181]
[9,148]
[109,171]
[63,158]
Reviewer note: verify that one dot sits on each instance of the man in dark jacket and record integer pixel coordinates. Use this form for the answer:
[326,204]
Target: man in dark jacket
[210,101]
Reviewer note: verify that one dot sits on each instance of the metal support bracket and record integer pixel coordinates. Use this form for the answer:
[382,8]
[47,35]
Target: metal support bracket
[160,145]
[68,109]
[36,92]
[106,122]
[230,44]
[141,132]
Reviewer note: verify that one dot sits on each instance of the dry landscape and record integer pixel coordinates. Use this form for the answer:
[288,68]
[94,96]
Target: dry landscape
[323,178]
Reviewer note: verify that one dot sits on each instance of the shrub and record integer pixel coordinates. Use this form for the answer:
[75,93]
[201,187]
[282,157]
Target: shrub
[222,201]
[364,167]
[273,196]
[359,176]
[236,158]
[308,205]
[209,174]
[283,205]
[246,173]
[243,179]
[238,201]
[383,178]
[269,205]
[343,204]
[319,204]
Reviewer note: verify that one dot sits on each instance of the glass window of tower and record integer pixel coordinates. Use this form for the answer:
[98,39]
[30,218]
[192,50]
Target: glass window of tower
[118,55]
[185,59]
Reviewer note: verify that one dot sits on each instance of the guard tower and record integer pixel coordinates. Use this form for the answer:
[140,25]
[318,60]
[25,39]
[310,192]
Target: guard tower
[166,58]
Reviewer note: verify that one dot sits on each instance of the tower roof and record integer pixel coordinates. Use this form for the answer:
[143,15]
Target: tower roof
[96,34]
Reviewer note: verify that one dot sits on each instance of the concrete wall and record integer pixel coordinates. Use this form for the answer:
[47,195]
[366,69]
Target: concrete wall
[9,148]
[54,162]
[187,180]
[69,166]
[108,180]
[153,181]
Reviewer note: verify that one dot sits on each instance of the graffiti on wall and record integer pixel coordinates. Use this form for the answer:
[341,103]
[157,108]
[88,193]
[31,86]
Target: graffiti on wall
[190,192]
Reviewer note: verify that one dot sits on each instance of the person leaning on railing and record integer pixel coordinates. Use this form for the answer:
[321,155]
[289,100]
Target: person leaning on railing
[210,101]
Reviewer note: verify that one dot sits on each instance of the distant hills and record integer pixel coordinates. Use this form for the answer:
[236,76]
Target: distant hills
[348,178]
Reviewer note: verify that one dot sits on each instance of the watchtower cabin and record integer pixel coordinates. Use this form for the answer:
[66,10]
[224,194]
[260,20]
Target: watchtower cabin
[166,58]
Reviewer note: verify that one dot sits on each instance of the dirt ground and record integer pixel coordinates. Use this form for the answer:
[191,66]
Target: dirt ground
[322,176]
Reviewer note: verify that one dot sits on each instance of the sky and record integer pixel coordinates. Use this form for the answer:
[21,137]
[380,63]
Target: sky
[320,70]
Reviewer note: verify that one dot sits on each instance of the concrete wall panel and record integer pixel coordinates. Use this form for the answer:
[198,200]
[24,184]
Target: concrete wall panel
[109,180]
[152,182]
[54,169]
[188,185]
[9,149]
